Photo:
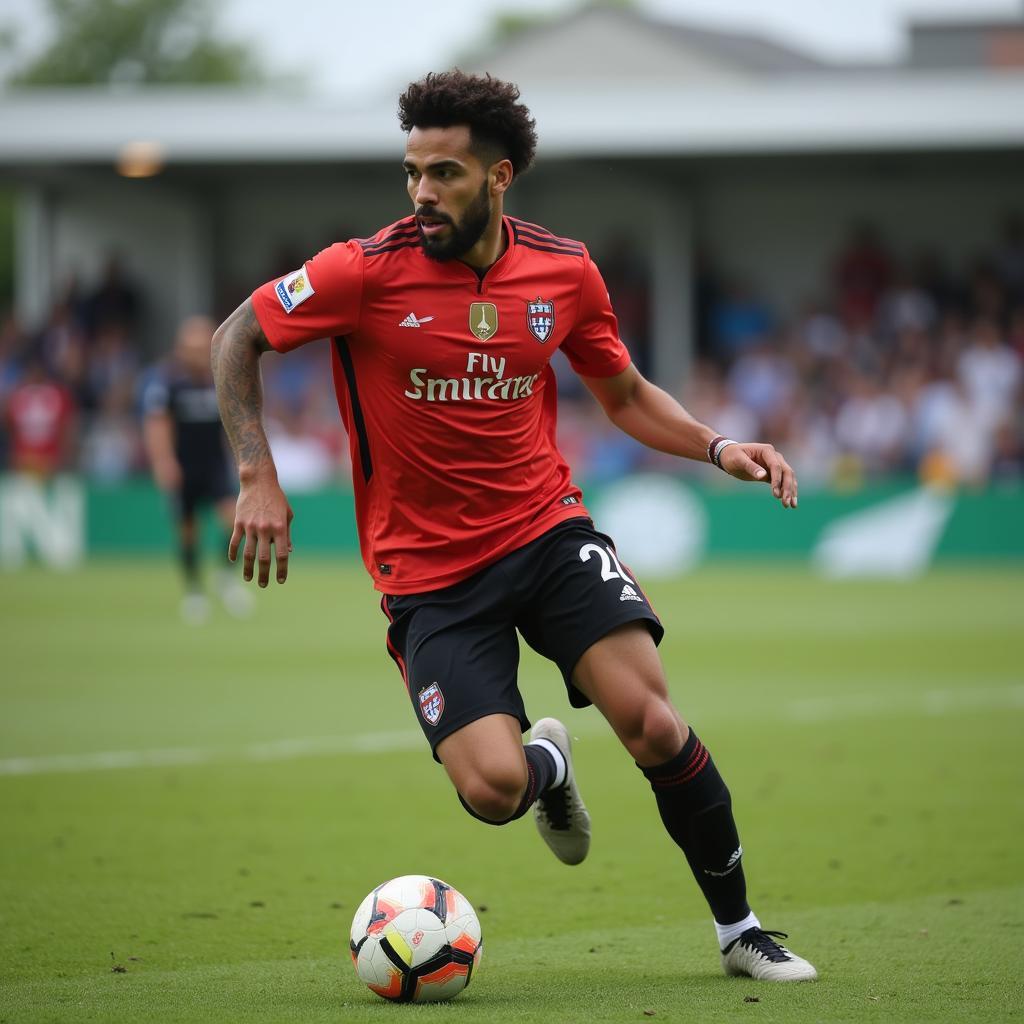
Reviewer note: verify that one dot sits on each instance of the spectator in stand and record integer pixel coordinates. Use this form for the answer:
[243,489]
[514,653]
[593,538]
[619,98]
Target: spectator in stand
[862,274]
[63,342]
[986,296]
[990,371]
[115,300]
[112,365]
[763,380]
[711,400]
[304,461]
[111,446]
[627,280]
[13,344]
[740,321]
[905,306]
[1009,260]
[1015,332]
[961,441]
[872,426]
[41,419]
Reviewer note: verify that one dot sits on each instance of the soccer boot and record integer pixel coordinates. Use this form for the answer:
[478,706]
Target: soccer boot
[562,819]
[236,597]
[195,608]
[756,954]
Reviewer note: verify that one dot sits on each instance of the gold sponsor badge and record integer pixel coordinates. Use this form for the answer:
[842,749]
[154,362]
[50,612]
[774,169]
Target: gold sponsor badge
[483,320]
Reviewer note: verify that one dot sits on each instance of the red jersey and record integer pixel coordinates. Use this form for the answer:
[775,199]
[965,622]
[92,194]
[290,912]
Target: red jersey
[445,389]
[39,415]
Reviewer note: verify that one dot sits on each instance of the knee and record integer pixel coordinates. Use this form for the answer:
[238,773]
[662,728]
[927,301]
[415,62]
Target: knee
[656,733]
[495,796]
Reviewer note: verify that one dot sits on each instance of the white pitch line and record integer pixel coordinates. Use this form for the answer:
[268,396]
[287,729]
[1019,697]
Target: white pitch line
[273,750]
[926,703]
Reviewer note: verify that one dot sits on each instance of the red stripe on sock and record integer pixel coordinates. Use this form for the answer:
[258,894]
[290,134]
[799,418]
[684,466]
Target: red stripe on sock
[531,786]
[696,764]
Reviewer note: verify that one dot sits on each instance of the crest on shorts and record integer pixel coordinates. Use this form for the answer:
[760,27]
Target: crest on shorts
[431,703]
[540,318]
[483,320]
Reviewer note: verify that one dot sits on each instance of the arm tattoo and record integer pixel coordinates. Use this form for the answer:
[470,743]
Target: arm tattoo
[237,347]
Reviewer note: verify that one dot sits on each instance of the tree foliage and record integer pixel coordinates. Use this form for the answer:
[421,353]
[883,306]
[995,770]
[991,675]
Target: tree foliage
[510,24]
[153,42]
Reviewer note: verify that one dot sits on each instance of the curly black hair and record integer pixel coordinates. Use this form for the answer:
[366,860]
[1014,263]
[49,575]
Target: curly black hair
[497,123]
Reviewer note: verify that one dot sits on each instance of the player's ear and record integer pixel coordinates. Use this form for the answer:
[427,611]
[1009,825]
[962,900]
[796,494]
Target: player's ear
[501,175]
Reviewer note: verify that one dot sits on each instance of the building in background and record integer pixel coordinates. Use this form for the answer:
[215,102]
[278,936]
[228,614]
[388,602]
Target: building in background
[816,249]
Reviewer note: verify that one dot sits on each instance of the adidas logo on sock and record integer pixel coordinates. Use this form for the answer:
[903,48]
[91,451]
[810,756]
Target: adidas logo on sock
[733,861]
[629,594]
[412,321]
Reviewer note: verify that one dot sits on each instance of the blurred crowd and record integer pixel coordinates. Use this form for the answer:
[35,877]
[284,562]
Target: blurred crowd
[898,367]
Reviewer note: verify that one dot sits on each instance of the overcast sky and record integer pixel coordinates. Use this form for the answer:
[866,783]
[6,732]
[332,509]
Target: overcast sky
[359,47]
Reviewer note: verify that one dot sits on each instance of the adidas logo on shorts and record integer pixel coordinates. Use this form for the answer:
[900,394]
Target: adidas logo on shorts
[629,594]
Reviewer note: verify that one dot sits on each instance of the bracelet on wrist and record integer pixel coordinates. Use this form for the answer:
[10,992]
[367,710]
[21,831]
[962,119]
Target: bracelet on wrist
[716,446]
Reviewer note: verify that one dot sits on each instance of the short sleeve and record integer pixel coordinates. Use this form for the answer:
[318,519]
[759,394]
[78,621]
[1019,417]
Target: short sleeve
[156,397]
[319,300]
[593,345]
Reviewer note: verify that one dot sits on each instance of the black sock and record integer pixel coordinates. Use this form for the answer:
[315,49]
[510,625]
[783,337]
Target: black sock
[696,809]
[190,563]
[540,773]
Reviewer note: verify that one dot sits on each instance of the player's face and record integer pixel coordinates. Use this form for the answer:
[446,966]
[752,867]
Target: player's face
[450,189]
[192,350]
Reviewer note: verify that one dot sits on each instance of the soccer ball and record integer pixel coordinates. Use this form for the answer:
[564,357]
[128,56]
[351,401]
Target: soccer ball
[416,939]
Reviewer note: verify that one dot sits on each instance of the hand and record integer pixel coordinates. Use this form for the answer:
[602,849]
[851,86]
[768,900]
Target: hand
[761,462]
[264,517]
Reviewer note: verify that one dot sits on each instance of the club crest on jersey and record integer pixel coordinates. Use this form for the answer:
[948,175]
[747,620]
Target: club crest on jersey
[483,320]
[431,703]
[540,318]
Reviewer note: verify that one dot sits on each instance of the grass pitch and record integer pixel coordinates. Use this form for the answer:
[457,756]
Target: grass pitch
[191,815]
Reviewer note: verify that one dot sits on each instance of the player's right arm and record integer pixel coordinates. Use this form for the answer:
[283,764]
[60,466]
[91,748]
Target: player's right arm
[158,435]
[262,515]
[158,439]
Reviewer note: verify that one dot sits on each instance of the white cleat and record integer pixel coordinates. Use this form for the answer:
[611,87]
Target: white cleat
[195,608]
[237,600]
[756,954]
[562,819]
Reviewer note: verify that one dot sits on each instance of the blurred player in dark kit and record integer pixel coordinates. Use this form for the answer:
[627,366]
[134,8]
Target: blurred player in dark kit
[186,447]
[443,328]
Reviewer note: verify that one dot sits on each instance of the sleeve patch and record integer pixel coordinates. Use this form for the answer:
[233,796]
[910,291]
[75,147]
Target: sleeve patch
[294,289]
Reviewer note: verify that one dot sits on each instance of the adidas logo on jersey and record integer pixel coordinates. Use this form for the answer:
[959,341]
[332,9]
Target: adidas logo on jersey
[413,321]
[629,594]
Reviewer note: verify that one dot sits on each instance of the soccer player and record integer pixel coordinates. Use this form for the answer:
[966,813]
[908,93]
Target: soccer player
[184,441]
[443,326]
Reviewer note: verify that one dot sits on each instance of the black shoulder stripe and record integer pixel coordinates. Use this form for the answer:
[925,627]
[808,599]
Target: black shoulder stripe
[412,244]
[557,242]
[540,234]
[559,250]
[396,236]
[519,222]
[398,228]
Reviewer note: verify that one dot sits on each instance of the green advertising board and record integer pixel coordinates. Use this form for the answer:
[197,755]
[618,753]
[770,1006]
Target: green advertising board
[660,523]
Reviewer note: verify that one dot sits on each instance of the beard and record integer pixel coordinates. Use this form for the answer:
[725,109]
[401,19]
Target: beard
[464,234]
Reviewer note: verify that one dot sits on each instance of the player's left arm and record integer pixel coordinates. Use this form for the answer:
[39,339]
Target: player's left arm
[651,415]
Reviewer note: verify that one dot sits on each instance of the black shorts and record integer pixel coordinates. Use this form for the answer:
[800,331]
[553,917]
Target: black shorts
[208,486]
[457,647]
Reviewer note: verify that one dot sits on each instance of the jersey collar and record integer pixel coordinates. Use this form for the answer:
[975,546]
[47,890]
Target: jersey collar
[497,270]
